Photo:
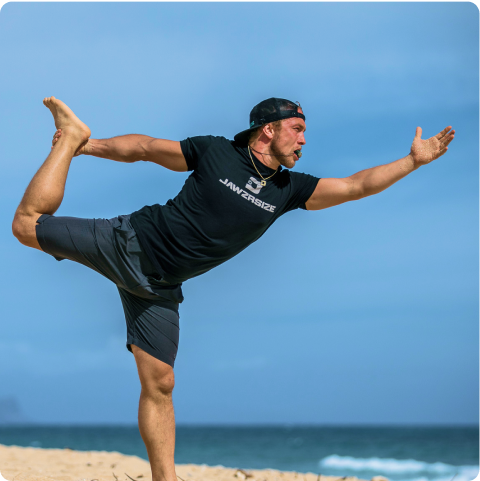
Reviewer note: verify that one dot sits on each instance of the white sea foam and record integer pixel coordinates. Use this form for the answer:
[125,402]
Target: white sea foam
[403,467]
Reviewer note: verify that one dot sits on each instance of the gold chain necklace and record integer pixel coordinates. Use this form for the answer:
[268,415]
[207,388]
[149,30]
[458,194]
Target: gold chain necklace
[264,180]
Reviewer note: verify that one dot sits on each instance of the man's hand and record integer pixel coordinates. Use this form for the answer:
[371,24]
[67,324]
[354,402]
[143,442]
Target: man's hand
[330,192]
[83,149]
[424,151]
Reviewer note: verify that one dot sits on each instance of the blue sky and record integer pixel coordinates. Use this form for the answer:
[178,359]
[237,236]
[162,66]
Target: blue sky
[363,313]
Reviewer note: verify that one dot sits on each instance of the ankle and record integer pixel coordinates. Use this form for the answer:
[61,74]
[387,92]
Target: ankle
[162,477]
[71,139]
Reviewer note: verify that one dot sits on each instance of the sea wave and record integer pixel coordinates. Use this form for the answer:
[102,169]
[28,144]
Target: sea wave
[407,467]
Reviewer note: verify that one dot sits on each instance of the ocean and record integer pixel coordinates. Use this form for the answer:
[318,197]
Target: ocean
[399,453]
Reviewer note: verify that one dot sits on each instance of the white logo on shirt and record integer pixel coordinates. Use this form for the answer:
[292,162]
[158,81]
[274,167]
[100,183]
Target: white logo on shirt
[249,197]
[252,182]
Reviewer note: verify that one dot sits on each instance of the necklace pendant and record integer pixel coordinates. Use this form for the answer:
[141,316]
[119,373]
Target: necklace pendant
[264,183]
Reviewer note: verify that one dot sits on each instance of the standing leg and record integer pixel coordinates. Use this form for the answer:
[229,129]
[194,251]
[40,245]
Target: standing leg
[45,192]
[156,419]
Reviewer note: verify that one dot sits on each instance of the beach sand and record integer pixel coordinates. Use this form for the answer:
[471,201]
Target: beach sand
[36,464]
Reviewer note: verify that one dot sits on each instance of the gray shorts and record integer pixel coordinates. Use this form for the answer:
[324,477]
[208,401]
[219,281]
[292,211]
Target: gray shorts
[111,247]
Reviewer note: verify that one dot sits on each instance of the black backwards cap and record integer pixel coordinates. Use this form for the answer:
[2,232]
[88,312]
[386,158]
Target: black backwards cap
[268,111]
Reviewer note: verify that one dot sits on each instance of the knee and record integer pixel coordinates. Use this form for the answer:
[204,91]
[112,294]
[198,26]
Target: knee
[166,383]
[23,228]
[156,377]
[160,384]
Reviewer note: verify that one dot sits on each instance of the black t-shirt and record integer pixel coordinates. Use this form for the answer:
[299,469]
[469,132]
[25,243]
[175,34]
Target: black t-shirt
[221,209]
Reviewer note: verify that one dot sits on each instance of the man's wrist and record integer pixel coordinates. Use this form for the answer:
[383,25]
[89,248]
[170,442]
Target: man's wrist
[411,162]
[88,147]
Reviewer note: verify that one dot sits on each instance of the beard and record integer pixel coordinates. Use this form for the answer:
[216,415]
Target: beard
[284,158]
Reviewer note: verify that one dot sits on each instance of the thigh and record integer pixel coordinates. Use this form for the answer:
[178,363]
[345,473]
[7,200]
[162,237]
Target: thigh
[152,325]
[87,241]
[108,246]
[153,373]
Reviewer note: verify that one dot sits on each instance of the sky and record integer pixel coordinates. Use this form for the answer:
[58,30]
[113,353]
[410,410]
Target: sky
[364,313]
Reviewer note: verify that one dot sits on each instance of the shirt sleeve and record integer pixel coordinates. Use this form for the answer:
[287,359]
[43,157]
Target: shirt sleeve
[193,149]
[303,187]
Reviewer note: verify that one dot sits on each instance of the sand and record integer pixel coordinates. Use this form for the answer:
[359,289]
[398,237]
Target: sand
[36,464]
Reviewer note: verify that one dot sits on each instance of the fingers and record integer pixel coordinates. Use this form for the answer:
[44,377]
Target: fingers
[418,132]
[441,152]
[56,136]
[447,139]
[443,133]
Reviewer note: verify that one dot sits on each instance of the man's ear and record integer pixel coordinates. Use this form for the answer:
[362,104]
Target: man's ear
[268,131]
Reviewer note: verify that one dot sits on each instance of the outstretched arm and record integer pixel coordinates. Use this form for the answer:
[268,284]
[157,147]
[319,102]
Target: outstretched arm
[134,147]
[330,192]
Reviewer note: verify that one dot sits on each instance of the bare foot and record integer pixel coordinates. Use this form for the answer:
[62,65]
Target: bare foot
[66,120]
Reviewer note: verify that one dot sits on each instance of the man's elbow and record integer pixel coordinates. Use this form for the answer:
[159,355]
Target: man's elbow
[356,189]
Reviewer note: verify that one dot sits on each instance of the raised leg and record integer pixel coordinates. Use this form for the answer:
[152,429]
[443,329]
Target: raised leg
[45,192]
[156,418]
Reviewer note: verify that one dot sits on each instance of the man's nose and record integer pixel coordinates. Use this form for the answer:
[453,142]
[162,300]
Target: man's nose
[302,139]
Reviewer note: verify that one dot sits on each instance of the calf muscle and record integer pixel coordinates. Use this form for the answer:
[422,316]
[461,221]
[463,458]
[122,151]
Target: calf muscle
[44,194]
[45,191]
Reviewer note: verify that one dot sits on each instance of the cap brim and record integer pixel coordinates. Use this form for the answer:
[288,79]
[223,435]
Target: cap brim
[242,137]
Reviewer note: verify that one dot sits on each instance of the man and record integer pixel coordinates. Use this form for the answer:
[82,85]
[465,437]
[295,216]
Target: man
[236,191]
